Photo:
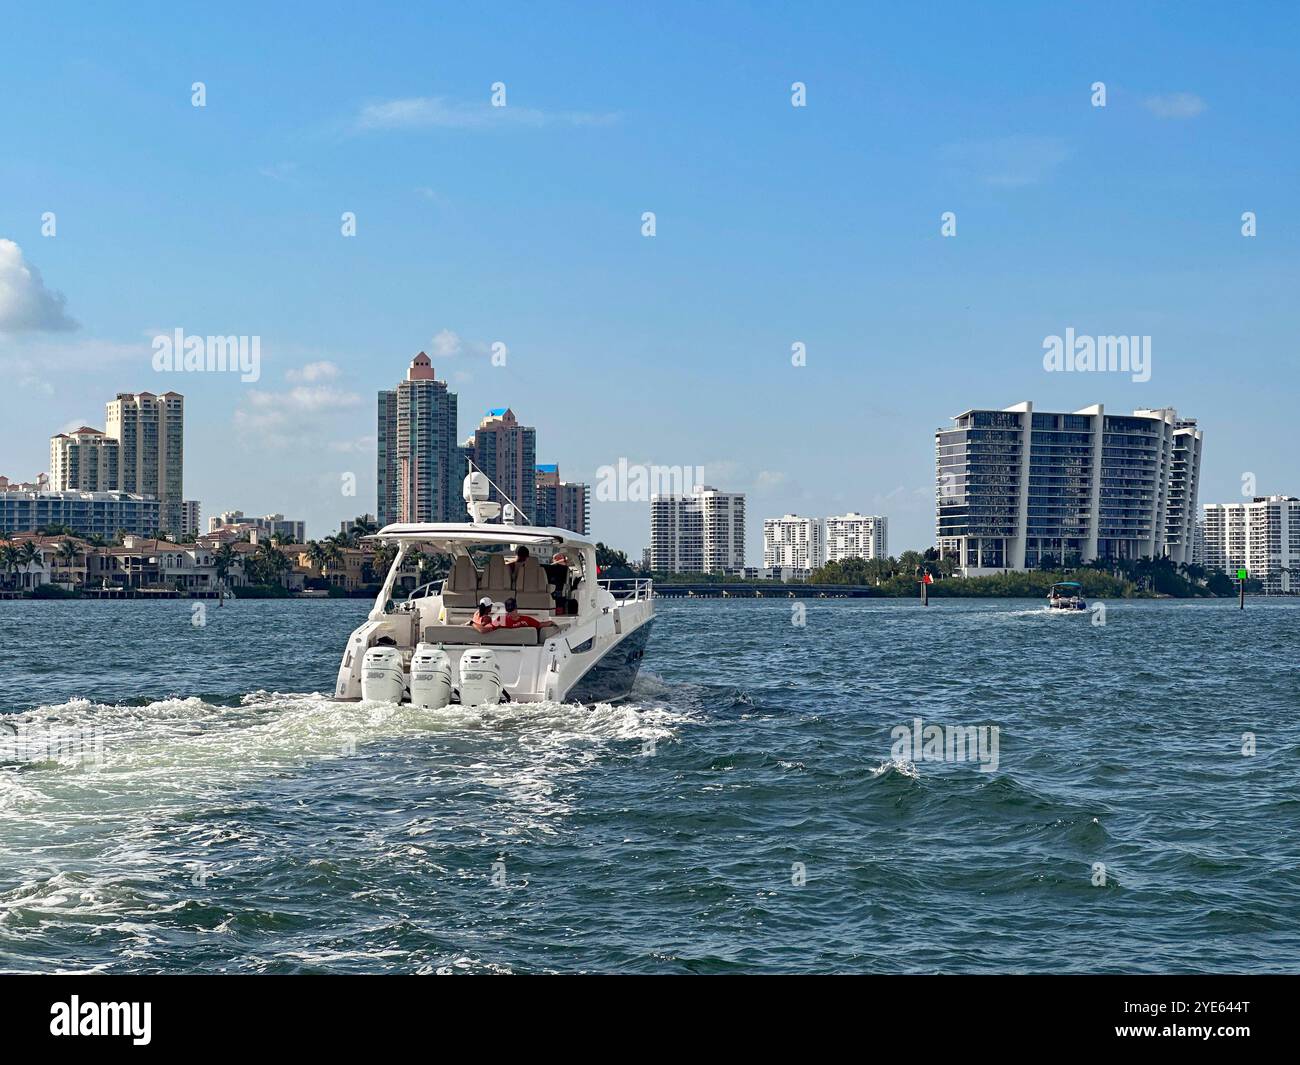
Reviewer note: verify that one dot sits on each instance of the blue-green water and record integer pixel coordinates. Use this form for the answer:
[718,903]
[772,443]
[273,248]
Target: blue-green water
[232,820]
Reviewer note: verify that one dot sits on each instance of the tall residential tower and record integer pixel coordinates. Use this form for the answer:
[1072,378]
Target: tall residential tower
[507,452]
[1262,535]
[150,434]
[1018,489]
[561,504]
[703,532]
[420,468]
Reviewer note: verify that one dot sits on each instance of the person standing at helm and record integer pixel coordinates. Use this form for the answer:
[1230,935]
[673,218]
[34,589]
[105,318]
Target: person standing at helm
[557,573]
[521,554]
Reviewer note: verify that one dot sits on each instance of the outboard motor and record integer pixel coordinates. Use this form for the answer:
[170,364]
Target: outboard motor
[480,677]
[382,678]
[430,677]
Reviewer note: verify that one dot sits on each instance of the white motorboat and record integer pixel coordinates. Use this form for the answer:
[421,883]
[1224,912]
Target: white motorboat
[1066,597]
[588,649]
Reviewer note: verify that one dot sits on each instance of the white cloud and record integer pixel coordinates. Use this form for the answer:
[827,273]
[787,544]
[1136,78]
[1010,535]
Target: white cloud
[769,479]
[37,361]
[438,112]
[301,413]
[26,305]
[1007,162]
[304,400]
[363,445]
[314,371]
[1175,105]
[445,344]
[279,171]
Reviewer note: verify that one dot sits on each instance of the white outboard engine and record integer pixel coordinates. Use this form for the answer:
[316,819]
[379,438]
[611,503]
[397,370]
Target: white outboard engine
[480,677]
[430,677]
[382,678]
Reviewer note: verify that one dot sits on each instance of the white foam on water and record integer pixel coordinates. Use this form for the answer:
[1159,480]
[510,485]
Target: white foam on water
[902,767]
[113,818]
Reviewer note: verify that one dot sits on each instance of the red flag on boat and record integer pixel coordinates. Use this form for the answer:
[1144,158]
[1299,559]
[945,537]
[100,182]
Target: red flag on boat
[926,578]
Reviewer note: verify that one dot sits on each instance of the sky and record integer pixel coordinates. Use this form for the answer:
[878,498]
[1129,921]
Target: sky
[774,225]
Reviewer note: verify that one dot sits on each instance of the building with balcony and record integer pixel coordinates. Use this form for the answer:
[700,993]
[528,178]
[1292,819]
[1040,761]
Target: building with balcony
[1019,489]
[1262,536]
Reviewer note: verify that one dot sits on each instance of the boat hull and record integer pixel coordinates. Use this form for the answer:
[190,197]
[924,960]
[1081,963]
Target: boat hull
[612,677]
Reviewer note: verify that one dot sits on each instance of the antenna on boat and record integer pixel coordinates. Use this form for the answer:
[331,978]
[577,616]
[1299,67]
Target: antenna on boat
[482,509]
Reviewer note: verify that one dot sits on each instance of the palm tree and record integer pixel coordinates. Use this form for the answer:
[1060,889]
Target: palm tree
[223,561]
[27,554]
[271,563]
[316,555]
[381,561]
[10,559]
[67,554]
[334,558]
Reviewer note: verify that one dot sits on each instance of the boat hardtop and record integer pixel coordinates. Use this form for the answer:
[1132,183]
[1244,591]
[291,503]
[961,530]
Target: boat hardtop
[1066,595]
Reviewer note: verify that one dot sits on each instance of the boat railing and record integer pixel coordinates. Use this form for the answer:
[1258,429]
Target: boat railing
[628,588]
[425,590]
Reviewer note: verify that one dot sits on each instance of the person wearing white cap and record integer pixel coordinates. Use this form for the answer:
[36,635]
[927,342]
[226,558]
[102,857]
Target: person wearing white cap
[482,619]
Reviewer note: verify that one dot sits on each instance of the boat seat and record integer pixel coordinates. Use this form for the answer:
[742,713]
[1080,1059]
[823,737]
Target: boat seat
[461,586]
[496,579]
[532,590]
[466,634]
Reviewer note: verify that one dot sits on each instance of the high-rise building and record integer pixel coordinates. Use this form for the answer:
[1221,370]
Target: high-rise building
[85,513]
[793,542]
[237,521]
[84,460]
[1263,536]
[855,535]
[703,532]
[190,517]
[420,467]
[561,504]
[507,452]
[1017,489]
[150,431]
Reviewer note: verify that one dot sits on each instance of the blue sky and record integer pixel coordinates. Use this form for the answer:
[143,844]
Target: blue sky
[775,224]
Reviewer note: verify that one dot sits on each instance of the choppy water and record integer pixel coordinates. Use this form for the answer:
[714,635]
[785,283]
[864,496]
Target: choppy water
[232,820]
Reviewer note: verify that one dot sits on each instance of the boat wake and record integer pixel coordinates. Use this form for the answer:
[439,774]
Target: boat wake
[154,755]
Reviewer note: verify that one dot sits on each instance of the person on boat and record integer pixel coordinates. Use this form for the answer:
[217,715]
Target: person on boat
[521,553]
[557,572]
[515,620]
[482,620]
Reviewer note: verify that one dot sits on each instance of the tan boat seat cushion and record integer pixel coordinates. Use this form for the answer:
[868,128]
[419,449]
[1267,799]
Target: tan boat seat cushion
[466,634]
[532,589]
[461,586]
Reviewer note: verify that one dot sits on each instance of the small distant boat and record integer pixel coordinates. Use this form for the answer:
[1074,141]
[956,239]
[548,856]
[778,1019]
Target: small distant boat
[1066,596]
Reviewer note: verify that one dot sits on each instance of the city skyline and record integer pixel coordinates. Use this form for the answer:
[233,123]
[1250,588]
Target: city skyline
[523,228]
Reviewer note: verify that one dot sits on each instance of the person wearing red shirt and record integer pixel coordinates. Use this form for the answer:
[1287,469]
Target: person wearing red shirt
[515,620]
